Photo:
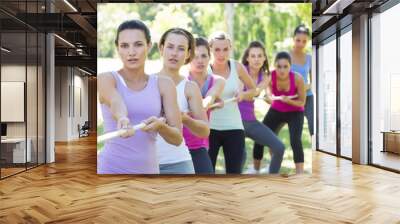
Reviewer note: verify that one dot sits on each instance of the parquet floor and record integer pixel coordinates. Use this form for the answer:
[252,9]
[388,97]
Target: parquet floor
[70,191]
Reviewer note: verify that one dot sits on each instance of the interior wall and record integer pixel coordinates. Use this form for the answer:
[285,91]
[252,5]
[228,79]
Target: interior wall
[61,103]
[33,126]
[17,73]
[71,102]
[80,104]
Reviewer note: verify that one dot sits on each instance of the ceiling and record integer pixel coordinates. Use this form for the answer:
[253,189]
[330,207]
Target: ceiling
[74,22]
[328,15]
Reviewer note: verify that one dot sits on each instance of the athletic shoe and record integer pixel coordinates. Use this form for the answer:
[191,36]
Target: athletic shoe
[251,170]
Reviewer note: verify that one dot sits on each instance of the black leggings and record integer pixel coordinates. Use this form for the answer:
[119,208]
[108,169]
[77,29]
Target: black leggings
[275,120]
[232,142]
[309,113]
[201,161]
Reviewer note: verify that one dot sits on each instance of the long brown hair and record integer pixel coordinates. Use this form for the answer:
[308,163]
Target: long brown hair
[185,33]
[134,25]
[256,44]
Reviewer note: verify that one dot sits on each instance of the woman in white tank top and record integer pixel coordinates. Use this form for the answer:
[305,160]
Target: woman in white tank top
[226,123]
[177,48]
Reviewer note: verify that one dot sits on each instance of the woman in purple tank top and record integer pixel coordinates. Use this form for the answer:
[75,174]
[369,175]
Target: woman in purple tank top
[211,87]
[289,109]
[256,62]
[129,97]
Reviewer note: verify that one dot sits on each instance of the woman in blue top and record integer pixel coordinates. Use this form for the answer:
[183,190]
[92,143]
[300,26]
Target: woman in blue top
[301,63]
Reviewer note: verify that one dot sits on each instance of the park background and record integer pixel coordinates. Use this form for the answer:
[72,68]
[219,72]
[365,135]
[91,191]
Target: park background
[271,23]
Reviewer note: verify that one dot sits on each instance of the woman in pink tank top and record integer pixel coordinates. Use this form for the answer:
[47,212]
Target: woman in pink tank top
[211,87]
[129,97]
[287,107]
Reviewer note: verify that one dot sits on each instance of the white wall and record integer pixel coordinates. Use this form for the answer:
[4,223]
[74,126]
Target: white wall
[80,83]
[33,126]
[69,85]
[12,73]
[61,103]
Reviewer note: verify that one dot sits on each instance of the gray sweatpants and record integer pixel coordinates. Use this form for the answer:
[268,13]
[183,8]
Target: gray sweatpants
[261,134]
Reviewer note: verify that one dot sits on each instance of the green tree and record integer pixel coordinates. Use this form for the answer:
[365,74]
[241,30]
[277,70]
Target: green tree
[272,24]
[109,17]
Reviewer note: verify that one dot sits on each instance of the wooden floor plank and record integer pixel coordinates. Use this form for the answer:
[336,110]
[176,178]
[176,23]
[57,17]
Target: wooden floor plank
[70,191]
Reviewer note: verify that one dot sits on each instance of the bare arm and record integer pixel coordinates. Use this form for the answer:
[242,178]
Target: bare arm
[309,85]
[214,92]
[247,81]
[109,96]
[268,90]
[301,92]
[171,131]
[198,123]
[263,85]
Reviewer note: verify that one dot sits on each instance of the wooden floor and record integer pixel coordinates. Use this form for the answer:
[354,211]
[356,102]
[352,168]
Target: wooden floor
[10,171]
[69,191]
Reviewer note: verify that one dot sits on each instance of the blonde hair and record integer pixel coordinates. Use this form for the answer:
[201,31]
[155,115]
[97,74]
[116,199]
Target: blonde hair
[218,35]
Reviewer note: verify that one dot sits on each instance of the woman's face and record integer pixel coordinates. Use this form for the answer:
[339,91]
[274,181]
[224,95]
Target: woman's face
[282,67]
[300,41]
[220,50]
[175,51]
[256,58]
[132,48]
[200,61]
